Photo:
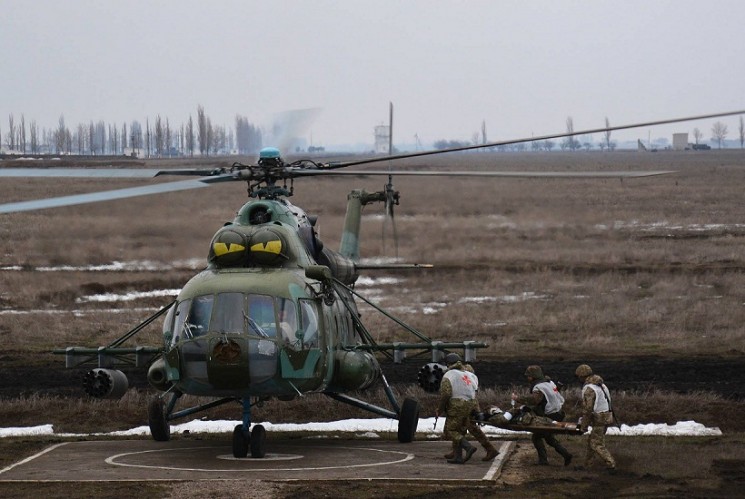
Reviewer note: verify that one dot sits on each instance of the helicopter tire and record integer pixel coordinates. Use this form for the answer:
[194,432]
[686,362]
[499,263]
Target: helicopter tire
[408,420]
[240,442]
[258,439]
[156,419]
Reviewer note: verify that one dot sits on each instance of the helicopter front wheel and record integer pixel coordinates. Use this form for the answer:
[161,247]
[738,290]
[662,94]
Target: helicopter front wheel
[240,442]
[408,420]
[258,438]
[156,419]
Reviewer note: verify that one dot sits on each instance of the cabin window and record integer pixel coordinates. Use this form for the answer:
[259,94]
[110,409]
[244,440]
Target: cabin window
[309,324]
[198,320]
[182,312]
[287,320]
[230,315]
[261,319]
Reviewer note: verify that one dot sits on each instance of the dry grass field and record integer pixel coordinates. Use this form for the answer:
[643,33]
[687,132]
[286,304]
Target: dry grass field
[541,269]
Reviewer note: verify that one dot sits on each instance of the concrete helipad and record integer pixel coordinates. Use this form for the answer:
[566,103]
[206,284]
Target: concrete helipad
[301,459]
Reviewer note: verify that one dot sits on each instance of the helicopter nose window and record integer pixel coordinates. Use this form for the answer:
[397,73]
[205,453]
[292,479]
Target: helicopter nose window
[229,313]
[182,312]
[309,325]
[198,320]
[260,319]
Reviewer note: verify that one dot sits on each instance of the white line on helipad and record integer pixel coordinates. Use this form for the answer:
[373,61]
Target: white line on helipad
[496,465]
[31,458]
[112,460]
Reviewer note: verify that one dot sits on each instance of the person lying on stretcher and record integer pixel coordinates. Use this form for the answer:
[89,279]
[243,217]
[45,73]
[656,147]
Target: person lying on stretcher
[522,418]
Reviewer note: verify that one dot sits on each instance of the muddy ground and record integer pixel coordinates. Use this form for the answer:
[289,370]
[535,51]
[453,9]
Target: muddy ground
[721,375]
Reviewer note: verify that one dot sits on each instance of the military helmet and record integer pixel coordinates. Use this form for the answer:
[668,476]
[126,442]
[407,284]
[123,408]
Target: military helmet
[452,358]
[534,372]
[583,371]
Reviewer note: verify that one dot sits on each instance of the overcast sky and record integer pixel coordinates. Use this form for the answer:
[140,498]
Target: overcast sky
[522,67]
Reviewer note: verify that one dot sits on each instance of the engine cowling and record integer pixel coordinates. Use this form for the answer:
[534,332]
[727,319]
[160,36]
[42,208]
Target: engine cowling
[355,370]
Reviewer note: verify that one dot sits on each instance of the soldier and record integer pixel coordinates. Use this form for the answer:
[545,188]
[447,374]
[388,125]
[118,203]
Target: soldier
[458,401]
[544,400]
[473,426]
[596,412]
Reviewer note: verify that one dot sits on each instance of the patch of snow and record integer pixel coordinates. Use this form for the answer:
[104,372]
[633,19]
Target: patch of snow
[367,428]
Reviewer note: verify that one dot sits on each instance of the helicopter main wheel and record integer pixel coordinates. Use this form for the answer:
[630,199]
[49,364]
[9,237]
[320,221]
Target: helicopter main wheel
[156,419]
[258,438]
[240,442]
[408,420]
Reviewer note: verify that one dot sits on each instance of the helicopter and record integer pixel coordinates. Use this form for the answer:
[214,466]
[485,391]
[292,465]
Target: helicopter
[274,314]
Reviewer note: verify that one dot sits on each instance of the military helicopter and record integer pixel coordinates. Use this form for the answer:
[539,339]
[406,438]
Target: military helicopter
[274,314]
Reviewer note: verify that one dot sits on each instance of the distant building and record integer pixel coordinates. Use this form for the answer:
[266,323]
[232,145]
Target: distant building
[382,138]
[680,141]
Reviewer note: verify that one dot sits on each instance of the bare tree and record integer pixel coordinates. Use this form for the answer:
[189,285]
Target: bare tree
[11,137]
[22,135]
[60,135]
[607,133]
[80,138]
[697,135]
[92,138]
[147,137]
[168,138]
[718,133]
[159,136]
[190,137]
[570,142]
[34,132]
[203,132]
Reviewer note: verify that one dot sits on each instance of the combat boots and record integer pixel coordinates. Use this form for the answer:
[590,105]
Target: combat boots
[458,457]
[491,453]
[542,455]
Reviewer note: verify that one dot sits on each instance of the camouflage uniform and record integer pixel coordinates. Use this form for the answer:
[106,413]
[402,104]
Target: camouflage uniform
[537,401]
[596,412]
[458,407]
[475,429]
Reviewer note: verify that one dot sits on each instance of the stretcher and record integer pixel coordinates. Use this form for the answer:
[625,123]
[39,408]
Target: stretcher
[523,420]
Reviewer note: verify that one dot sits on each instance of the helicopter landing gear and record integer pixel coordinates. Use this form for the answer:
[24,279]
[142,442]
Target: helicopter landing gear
[258,438]
[408,420]
[156,419]
[241,441]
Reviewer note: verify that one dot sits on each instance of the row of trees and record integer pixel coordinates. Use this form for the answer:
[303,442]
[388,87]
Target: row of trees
[719,133]
[157,139]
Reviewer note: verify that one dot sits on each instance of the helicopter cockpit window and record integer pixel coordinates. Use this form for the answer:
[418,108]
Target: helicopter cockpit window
[198,320]
[261,320]
[229,316]
[182,312]
[287,315]
[309,323]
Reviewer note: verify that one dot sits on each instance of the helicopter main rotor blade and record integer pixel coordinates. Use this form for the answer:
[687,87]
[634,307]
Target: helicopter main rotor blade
[79,172]
[94,197]
[344,164]
[436,173]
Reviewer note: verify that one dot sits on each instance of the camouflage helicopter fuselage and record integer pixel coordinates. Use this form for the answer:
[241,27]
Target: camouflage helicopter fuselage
[256,322]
